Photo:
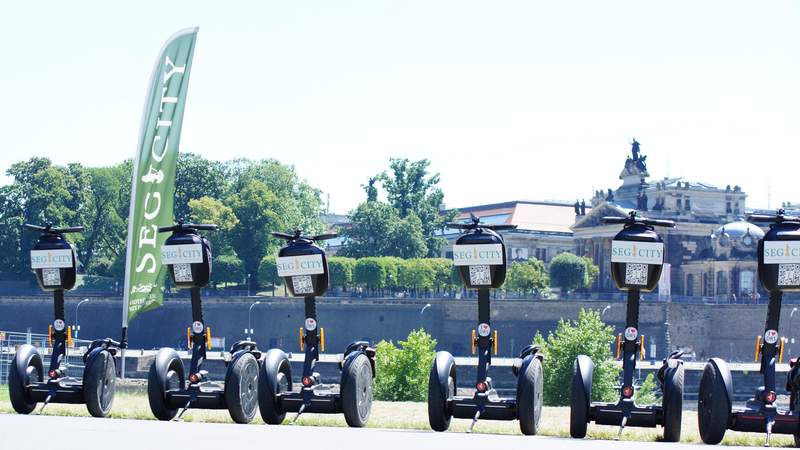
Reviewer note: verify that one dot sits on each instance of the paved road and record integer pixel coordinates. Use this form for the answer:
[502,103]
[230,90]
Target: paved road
[80,433]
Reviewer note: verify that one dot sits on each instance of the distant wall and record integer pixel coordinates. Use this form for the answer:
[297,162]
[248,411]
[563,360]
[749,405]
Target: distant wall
[728,331]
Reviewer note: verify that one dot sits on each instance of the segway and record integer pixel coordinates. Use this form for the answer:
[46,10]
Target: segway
[54,261]
[304,268]
[779,271]
[637,256]
[188,257]
[480,257]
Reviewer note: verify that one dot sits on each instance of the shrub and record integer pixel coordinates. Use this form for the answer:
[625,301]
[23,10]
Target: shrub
[646,394]
[370,273]
[341,271]
[402,372]
[227,269]
[268,271]
[586,336]
[529,277]
[568,272]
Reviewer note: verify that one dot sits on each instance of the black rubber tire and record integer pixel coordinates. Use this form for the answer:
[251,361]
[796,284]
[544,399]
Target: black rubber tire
[157,396]
[579,407]
[99,385]
[713,407]
[268,406]
[673,404]
[530,387]
[241,389]
[793,398]
[17,388]
[439,414]
[357,391]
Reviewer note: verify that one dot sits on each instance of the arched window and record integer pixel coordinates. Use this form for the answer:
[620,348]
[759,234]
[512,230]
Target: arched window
[722,283]
[690,285]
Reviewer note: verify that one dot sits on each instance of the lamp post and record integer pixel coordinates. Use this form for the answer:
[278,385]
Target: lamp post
[604,311]
[248,285]
[421,312]
[791,329]
[77,326]
[249,330]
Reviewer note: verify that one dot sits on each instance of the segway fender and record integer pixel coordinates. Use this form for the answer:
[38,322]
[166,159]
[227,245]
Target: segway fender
[28,355]
[673,365]
[349,358]
[272,365]
[91,357]
[163,358]
[444,362]
[585,367]
[722,367]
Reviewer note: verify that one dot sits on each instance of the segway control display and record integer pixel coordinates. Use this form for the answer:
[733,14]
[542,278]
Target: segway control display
[53,259]
[303,265]
[187,255]
[637,254]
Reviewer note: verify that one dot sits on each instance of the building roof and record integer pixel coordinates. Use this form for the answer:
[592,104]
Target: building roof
[538,216]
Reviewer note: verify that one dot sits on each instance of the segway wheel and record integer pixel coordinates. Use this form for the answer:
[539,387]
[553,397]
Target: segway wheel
[673,404]
[271,386]
[713,407]
[99,383]
[157,392]
[241,389]
[579,400]
[529,397]
[439,413]
[17,387]
[357,391]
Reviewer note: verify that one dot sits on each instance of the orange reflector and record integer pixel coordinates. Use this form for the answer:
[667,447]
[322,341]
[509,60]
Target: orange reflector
[641,348]
[481,386]
[758,346]
[302,341]
[627,391]
[495,342]
[619,344]
[69,337]
[208,337]
[780,353]
[322,339]
[188,338]
[473,342]
[50,335]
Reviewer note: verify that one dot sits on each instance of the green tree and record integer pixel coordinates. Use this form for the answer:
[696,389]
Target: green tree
[227,269]
[196,177]
[268,272]
[568,272]
[255,206]
[341,271]
[211,210]
[417,274]
[646,394]
[586,336]
[104,236]
[528,277]
[376,230]
[410,188]
[402,372]
[443,273]
[592,271]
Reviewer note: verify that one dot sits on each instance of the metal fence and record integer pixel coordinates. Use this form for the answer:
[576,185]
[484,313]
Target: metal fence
[10,341]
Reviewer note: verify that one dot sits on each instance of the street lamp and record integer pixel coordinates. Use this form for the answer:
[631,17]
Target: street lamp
[791,328]
[248,285]
[249,331]
[422,311]
[604,311]
[76,326]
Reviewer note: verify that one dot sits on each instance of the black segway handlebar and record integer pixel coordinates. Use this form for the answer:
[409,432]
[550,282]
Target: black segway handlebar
[298,236]
[48,229]
[779,217]
[189,227]
[633,219]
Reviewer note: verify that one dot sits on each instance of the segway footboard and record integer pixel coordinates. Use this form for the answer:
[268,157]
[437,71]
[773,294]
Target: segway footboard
[492,408]
[612,414]
[62,390]
[321,404]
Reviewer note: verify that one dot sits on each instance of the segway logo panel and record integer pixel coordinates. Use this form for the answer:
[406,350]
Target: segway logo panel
[304,269]
[182,254]
[779,257]
[289,266]
[637,252]
[478,254]
[481,259]
[51,259]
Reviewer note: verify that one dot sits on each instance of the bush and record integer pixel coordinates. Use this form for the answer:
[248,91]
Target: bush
[529,277]
[568,272]
[442,269]
[416,274]
[586,336]
[227,269]
[370,273]
[646,394]
[341,271]
[402,373]
[268,271]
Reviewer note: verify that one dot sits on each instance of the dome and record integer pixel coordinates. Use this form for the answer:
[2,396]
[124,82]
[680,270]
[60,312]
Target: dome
[739,233]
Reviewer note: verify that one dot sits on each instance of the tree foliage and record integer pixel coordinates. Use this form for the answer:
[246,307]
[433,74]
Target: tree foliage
[569,272]
[228,269]
[589,336]
[528,277]
[341,270]
[402,372]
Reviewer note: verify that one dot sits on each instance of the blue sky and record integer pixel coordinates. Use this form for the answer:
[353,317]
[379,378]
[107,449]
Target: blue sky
[509,100]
